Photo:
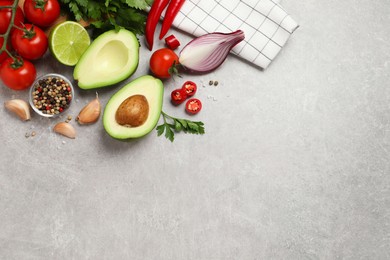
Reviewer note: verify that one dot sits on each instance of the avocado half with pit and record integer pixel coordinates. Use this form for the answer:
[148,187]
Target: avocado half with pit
[135,109]
[112,57]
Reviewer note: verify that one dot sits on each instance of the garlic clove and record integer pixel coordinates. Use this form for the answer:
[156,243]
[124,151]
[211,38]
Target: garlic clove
[65,129]
[90,112]
[19,107]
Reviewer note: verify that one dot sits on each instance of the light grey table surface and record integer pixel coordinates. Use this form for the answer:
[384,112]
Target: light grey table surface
[294,164]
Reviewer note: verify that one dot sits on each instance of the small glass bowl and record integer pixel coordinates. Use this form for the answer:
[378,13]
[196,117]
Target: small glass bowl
[50,92]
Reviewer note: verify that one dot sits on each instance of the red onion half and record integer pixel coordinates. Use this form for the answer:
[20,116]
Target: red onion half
[209,51]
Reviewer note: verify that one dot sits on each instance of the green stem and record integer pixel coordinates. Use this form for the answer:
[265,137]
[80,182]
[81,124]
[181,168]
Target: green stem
[8,52]
[166,116]
[5,36]
[18,27]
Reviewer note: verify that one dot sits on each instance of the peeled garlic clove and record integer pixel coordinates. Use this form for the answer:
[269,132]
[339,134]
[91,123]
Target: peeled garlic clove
[65,129]
[19,107]
[90,112]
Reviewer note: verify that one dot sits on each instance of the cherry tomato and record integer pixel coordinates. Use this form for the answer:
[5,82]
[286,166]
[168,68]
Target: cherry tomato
[193,106]
[162,63]
[178,96]
[3,55]
[5,16]
[30,42]
[41,12]
[190,88]
[17,74]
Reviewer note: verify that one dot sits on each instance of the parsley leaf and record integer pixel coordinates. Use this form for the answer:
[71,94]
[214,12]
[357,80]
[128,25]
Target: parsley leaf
[174,125]
[138,4]
[109,14]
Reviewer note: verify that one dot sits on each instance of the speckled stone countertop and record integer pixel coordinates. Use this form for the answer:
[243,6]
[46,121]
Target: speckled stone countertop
[294,163]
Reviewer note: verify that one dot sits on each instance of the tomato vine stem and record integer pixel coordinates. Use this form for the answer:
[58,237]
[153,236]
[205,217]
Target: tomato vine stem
[5,36]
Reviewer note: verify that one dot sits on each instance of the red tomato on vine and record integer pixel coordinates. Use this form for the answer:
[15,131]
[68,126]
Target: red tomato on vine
[41,12]
[17,74]
[30,42]
[5,16]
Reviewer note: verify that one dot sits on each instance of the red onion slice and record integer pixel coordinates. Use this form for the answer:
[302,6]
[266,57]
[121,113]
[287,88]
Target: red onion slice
[209,51]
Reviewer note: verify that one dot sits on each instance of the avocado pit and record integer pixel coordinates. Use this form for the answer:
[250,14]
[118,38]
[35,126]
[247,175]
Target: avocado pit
[133,111]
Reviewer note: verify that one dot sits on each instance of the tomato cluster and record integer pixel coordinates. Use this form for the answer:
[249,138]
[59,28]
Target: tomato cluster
[25,41]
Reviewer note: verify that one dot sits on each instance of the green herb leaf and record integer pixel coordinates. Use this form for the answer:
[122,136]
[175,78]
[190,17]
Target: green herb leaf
[169,134]
[160,129]
[138,4]
[178,125]
[109,14]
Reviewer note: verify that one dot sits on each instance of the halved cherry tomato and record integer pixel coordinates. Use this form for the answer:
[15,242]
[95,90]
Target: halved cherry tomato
[5,16]
[190,88]
[17,74]
[162,63]
[193,106]
[42,12]
[30,42]
[178,96]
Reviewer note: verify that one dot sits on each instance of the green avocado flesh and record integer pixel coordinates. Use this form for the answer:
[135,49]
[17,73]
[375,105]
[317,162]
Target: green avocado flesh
[111,58]
[147,86]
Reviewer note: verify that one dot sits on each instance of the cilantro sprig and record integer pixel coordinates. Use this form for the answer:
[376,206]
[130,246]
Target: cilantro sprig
[172,125]
[109,14]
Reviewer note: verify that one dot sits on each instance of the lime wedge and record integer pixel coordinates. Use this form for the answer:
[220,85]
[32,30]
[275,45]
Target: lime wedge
[68,41]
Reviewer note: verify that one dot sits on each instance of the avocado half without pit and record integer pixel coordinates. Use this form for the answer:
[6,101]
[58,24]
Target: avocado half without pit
[135,109]
[112,57]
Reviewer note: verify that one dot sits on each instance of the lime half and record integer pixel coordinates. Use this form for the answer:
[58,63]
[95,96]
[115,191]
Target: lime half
[68,41]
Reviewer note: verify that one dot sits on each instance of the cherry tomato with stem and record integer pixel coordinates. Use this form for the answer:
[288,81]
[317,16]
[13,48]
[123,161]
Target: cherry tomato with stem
[163,63]
[193,106]
[30,42]
[178,96]
[5,16]
[17,74]
[190,88]
[42,12]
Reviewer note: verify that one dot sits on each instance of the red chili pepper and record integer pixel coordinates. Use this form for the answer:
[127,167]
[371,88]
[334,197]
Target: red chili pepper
[172,42]
[178,96]
[170,14]
[190,88]
[193,106]
[154,15]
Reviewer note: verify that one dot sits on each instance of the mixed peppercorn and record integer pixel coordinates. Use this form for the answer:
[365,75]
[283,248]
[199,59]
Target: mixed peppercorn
[52,95]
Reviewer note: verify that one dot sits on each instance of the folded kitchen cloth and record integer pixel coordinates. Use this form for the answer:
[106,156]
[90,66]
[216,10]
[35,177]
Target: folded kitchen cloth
[267,26]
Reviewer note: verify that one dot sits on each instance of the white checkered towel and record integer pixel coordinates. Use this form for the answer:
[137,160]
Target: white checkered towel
[265,23]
